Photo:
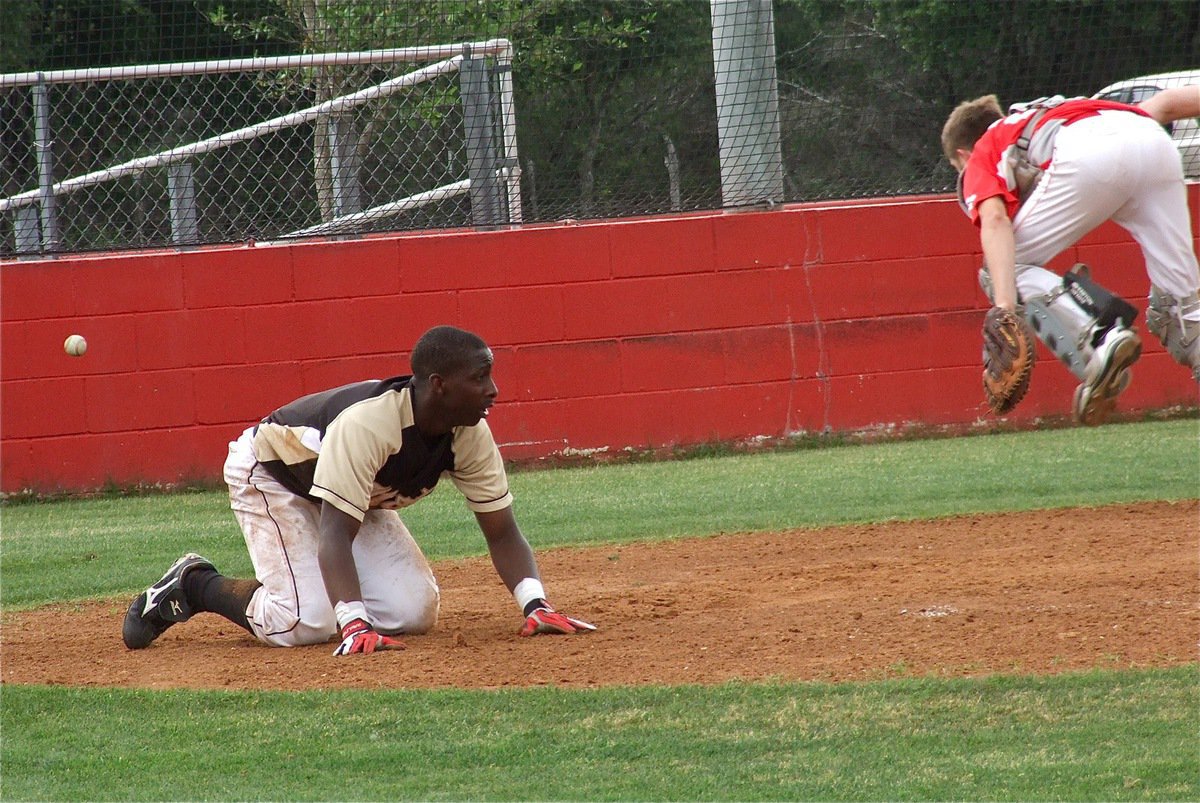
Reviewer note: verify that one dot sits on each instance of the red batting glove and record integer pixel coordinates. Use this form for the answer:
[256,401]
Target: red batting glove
[548,620]
[358,636]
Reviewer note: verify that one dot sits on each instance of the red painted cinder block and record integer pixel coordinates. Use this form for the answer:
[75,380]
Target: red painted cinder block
[514,316]
[669,362]
[933,396]
[772,353]
[591,422]
[296,330]
[391,324]
[528,428]
[143,400]
[346,269]
[17,464]
[1104,234]
[234,277]
[894,287]
[37,290]
[719,413]
[42,407]
[1159,381]
[635,307]
[240,395]
[556,254]
[761,239]
[35,348]
[512,258]
[894,230]
[662,246]
[636,420]
[870,345]
[619,308]
[184,338]
[347,327]
[957,338]
[560,370]
[1120,267]
[318,375]
[808,406]
[737,299]
[129,283]
[125,458]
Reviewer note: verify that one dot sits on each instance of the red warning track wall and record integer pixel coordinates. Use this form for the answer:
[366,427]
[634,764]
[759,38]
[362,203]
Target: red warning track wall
[636,333]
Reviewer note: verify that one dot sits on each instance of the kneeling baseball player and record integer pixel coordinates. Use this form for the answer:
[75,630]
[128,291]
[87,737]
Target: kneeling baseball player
[1035,181]
[315,487]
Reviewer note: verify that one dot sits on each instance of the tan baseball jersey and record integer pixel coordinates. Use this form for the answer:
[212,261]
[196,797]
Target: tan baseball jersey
[358,447]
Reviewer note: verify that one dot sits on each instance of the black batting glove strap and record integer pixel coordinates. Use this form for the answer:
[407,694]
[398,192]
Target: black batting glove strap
[533,605]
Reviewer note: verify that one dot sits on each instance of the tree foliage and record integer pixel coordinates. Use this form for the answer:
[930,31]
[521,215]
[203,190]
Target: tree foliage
[606,89]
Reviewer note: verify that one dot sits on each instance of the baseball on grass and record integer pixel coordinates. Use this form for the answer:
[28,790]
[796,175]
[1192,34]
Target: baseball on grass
[75,345]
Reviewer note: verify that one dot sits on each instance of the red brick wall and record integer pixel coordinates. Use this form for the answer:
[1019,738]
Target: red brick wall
[638,333]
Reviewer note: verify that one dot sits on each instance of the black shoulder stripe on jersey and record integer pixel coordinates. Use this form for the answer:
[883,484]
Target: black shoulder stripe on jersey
[339,496]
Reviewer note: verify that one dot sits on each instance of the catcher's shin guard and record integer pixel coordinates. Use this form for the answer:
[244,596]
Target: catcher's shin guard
[1059,337]
[1073,342]
[1176,323]
[1107,308]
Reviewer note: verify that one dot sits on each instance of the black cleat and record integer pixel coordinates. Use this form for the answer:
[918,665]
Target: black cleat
[161,605]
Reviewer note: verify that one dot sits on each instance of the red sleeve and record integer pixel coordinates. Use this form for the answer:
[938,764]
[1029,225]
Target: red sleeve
[987,175]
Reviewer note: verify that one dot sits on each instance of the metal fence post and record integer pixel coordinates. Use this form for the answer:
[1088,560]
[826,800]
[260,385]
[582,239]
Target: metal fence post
[44,146]
[747,102]
[475,88]
[181,187]
[671,160]
[507,114]
[26,231]
[343,156]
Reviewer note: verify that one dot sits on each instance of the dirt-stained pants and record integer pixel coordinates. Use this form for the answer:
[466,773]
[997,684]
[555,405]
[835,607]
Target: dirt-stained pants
[281,532]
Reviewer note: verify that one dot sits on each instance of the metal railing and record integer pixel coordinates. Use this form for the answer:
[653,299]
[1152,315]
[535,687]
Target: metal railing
[488,142]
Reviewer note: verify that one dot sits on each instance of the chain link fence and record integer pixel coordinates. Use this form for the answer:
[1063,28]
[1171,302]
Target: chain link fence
[565,109]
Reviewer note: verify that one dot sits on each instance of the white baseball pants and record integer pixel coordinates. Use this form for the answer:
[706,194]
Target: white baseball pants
[281,532]
[1117,166]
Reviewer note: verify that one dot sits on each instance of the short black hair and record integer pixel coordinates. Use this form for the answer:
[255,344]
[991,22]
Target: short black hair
[444,350]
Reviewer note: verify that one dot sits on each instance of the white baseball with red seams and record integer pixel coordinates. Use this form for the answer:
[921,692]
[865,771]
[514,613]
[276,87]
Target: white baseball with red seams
[75,345]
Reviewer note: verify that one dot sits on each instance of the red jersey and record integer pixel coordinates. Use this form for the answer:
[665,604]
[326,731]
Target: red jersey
[989,170]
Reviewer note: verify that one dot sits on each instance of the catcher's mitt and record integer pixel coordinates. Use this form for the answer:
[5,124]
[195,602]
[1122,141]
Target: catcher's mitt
[1008,354]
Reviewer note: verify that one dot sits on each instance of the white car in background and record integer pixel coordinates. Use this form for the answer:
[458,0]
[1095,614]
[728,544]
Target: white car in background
[1185,132]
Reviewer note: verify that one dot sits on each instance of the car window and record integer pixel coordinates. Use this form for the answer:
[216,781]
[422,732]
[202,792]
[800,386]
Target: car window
[1131,94]
[1118,95]
[1139,93]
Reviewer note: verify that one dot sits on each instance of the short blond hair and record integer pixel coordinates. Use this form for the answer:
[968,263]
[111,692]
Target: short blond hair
[967,122]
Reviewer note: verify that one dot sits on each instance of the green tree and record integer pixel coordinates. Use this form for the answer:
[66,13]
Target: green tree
[630,72]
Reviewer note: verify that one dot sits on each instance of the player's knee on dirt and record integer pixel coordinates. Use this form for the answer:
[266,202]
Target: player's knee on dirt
[274,621]
[415,613]
[1175,321]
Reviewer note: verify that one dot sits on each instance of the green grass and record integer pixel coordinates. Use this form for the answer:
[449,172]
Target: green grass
[85,549]
[1094,736]
[1100,735]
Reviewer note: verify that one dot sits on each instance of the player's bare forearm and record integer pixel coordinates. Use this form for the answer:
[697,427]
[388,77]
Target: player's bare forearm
[510,552]
[335,557]
[1173,104]
[999,250]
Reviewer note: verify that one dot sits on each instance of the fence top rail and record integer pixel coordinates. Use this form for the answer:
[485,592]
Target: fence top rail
[183,152]
[501,47]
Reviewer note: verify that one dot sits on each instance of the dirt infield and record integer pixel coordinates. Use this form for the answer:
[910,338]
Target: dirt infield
[1038,592]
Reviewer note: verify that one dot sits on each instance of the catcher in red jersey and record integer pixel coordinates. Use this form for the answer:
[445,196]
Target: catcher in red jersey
[1036,180]
[315,487]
